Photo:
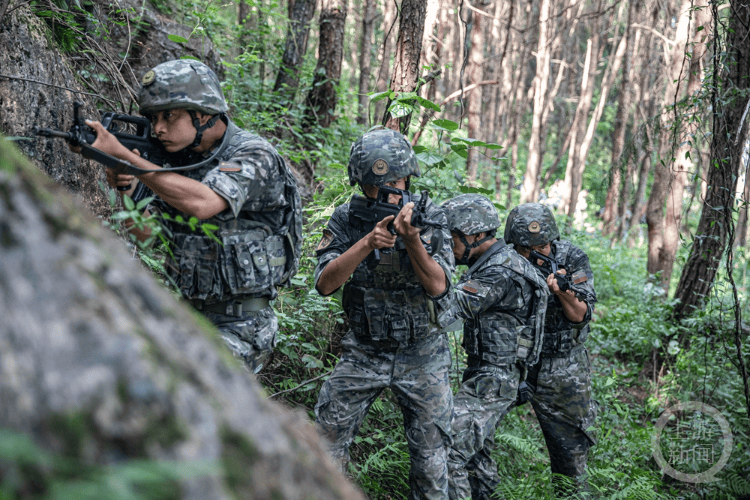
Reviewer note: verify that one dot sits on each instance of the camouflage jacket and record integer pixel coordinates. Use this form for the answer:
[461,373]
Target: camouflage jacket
[503,299]
[385,299]
[576,263]
[251,176]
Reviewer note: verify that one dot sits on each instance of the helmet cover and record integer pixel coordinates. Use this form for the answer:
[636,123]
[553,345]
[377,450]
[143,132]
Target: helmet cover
[181,84]
[471,214]
[530,225]
[379,156]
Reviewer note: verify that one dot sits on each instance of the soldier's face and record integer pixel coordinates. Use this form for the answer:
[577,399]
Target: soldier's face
[545,250]
[459,248]
[174,128]
[371,191]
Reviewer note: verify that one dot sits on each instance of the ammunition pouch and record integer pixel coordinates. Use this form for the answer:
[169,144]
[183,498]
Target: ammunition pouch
[493,340]
[244,263]
[379,315]
[563,342]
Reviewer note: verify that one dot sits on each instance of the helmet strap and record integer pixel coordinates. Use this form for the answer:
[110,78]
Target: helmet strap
[468,246]
[200,128]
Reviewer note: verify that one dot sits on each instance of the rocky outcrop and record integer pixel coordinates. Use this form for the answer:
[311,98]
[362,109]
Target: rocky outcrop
[101,365]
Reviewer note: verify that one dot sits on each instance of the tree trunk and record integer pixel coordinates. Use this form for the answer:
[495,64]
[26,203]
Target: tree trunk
[114,357]
[741,233]
[368,23]
[389,25]
[408,49]
[710,241]
[321,101]
[295,48]
[613,66]
[671,172]
[475,73]
[579,121]
[611,212]
[530,188]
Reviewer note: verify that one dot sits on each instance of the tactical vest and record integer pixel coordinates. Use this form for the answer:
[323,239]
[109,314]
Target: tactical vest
[384,300]
[245,257]
[559,337]
[497,337]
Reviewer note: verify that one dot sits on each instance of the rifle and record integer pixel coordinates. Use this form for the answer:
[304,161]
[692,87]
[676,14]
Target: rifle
[550,266]
[368,210]
[82,136]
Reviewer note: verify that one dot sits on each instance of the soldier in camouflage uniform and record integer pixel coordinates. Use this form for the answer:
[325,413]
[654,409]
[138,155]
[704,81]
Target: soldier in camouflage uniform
[560,382]
[503,300]
[239,184]
[398,299]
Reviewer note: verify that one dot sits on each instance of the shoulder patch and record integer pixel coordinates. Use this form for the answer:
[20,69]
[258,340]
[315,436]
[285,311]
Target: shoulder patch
[325,240]
[228,167]
[474,288]
[579,277]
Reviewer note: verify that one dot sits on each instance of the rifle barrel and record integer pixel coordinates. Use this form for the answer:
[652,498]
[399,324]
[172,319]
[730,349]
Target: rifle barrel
[48,132]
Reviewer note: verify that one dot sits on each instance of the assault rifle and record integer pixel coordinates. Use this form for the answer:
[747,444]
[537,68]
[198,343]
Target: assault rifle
[82,136]
[368,210]
[550,266]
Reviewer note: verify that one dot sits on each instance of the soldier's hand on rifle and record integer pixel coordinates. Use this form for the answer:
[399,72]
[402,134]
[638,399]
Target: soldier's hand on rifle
[552,282]
[107,142]
[380,237]
[116,180]
[402,223]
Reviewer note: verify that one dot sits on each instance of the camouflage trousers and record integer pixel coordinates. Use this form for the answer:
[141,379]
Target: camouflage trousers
[561,385]
[251,336]
[485,397]
[417,374]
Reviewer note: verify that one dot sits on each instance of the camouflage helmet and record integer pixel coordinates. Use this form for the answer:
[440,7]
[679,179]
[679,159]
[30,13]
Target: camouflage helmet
[471,214]
[184,84]
[379,156]
[531,224]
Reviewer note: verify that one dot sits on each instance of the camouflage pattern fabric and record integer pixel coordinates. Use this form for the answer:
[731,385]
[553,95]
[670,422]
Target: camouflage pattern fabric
[395,341]
[496,302]
[561,380]
[251,176]
[183,84]
[471,214]
[417,374]
[379,156]
[530,225]
[252,338]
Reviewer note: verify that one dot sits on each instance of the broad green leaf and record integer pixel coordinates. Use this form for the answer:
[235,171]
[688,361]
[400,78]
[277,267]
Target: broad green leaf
[446,124]
[428,104]
[381,95]
[177,39]
[429,158]
[460,150]
[128,202]
[469,189]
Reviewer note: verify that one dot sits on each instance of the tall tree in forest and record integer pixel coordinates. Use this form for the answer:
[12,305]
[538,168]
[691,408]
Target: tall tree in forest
[741,233]
[579,165]
[670,174]
[390,12]
[408,50]
[321,100]
[727,142]
[530,188]
[611,213]
[730,132]
[578,127]
[368,23]
[475,31]
[287,80]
